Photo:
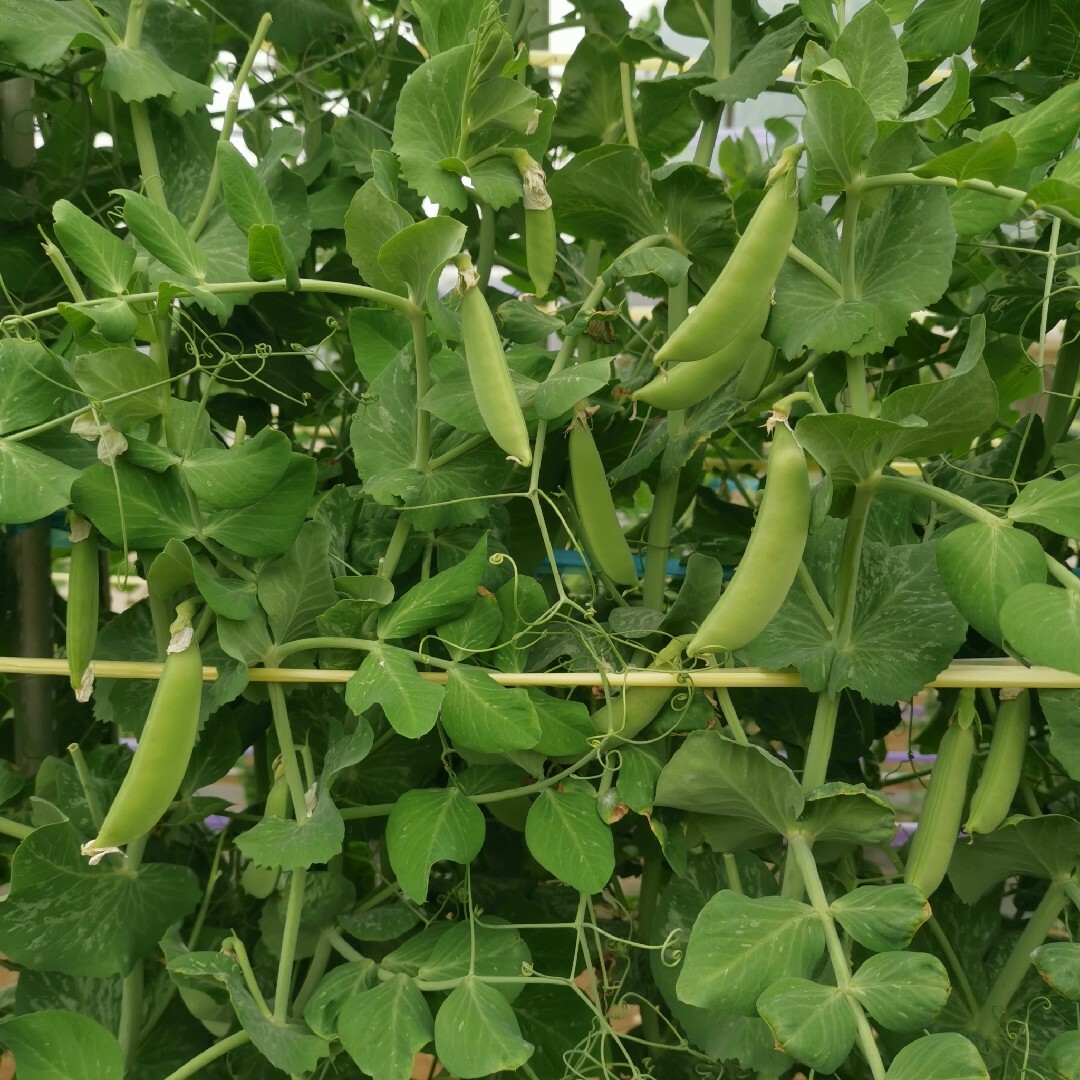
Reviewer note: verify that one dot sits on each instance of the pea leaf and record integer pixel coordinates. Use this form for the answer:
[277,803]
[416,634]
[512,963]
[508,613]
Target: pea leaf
[34,484]
[38,32]
[1054,504]
[902,991]
[811,1023]
[412,255]
[839,129]
[848,814]
[1062,711]
[32,385]
[559,393]
[56,1045]
[1043,623]
[484,949]
[426,826]
[872,58]
[121,371]
[337,988]
[290,1047]
[566,836]
[163,236]
[478,714]
[388,677]
[881,917]
[241,475]
[98,252]
[1058,962]
[371,220]
[939,28]
[477,1033]
[946,1056]
[383,1029]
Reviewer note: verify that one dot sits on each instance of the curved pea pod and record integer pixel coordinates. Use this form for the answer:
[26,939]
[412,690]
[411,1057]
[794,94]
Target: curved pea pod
[540,248]
[161,758]
[84,599]
[489,374]
[942,811]
[261,881]
[637,707]
[755,372]
[605,541]
[993,798]
[683,385]
[768,567]
[746,281]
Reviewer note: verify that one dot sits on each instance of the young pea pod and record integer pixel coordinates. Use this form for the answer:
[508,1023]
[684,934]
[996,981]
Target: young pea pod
[604,539]
[84,598]
[686,384]
[768,567]
[164,749]
[489,374]
[637,707]
[755,371]
[943,807]
[993,798]
[746,281]
[539,224]
[260,881]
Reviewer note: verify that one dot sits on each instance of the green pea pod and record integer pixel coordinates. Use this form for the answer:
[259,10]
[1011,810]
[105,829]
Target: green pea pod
[684,385]
[993,798]
[84,598]
[540,248]
[490,376]
[626,715]
[605,541]
[261,881]
[746,281]
[755,371]
[942,810]
[768,567]
[164,749]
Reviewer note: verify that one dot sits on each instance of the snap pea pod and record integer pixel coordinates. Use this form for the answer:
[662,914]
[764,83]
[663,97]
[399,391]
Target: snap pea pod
[746,281]
[993,798]
[943,808]
[83,604]
[539,223]
[489,374]
[635,708]
[755,372]
[164,750]
[768,567]
[684,385]
[604,538]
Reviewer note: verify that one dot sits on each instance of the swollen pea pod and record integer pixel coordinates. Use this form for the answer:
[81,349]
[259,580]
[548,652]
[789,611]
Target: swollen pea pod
[755,371]
[260,881]
[637,707]
[84,599]
[771,561]
[745,283]
[164,749]
[604,539]
[993,798]
[943,808]
[686,384]
[488,372]
[539,223]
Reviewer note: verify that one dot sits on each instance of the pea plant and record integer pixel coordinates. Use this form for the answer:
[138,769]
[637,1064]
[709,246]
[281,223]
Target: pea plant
[581,501]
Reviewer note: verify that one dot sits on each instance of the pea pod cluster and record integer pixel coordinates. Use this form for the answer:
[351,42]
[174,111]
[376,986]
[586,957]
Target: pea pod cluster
[605,542]
[489,373]
[771,561]
[83,603]
[164,750]
[735,298]
[993,798]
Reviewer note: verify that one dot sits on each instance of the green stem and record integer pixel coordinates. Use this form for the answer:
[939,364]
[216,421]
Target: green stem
[837,957]
[485,257]
[15,829]
[283,732]
[771,392]
[359,644]
[388,563]
[147,152]
[815,598]
[1061,408]
[850,561]
[731,869]
[910,486]
[316,970]
[232,106]
[1048,288]
[848,281]
[131,1013]
[1072,891]
[731,716]
[815,268]
[959,974]
[67,275]
[291,931]
[819,751]
[1018,964]
[243,961]
[856,381]
[343,948]
[460,450]
[627,87]
[1063,574]
[210,1055]
[423,383]
[86,781]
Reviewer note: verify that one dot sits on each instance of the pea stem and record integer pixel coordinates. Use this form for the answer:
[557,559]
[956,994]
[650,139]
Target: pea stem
[848,282]
[283,731]
[131,1013]
[821,739]
[86,780]
[850,561]
[290,933]
[15,829]
[627,90]
[959,974]
[910,486]
[815,268]
[316,970]
[210,1055]
[236,947]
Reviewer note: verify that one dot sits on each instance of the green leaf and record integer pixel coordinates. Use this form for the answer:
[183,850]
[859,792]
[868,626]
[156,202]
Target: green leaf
[388,677]
[453,399]
[56,1045]
[1047,847]
[383,1029]
[269,258]
[565,835]
[758,68]
[377,337]
[371,220]
[229,597]
[949,100]
[1054,504]
[477,1033]
[1062,711]
[670,266]
[32,385]
[848,814]
[490,948]
[242,474]
[1043,623]
[881,917]
[385,923]
[295,589]
[245,195]
[811,1023]
[523,323]
[839,129]
[874,62]
[605,193]
[902,991]
[565,727]
[98,252]
[163,236]
[475,630]
[339,986]
[502,103]
[990,159]
[946,1056]
[940,28]
[37,33]
[64,915]
[479,714]
[112,372]
[982,565]
[1062,1054]
[559,393]
[711,774]
[412,255]
[590,97]
[270,525]
[1059,964]
[289,1047]
[1010,30]
[136,75]
[426,826]
[741,945]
